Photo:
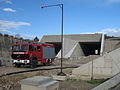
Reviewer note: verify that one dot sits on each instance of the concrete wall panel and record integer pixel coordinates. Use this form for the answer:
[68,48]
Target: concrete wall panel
[68,45]
[77,52]
[103,67]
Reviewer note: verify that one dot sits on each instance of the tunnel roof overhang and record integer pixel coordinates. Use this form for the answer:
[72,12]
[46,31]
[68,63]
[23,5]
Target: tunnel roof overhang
[76,37]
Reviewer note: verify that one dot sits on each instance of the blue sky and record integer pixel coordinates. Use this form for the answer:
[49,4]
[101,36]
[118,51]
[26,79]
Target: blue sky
[26,18]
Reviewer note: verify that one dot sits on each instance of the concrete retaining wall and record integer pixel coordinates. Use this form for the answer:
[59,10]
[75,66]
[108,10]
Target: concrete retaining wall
[6,42]
[111,44]
[103,67]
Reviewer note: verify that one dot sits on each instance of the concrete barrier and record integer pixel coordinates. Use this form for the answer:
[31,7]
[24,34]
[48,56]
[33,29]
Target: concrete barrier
[39,83]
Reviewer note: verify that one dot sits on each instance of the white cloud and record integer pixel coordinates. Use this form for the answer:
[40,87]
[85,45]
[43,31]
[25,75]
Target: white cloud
[7,31]
[5,26]
[14,33]
[112,32]
[108,31]
[6,1]
[11,24]
[27,36]
[9,10]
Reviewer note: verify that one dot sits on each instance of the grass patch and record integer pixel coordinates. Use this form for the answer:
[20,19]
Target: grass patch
[99,81]
[71,79]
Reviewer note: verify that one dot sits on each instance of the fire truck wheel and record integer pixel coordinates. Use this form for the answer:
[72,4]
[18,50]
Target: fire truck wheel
[33,63]
[47,63]
[18,65]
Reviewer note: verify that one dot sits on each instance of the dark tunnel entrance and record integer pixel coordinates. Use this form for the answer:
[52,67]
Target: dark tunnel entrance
[58,46]
[89,48]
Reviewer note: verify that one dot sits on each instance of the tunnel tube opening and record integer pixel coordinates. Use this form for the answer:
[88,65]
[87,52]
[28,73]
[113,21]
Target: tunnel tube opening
[90,48]
[58,46]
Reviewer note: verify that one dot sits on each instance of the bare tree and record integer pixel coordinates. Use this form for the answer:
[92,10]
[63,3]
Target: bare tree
[36,39]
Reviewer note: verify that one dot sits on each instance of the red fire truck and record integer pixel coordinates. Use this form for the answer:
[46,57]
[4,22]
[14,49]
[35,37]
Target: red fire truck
[32,54]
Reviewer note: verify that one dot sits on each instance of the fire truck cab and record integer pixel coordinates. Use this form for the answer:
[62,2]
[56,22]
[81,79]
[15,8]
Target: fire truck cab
[33,54]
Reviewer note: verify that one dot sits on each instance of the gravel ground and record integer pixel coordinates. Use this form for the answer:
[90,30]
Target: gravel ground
[12,82]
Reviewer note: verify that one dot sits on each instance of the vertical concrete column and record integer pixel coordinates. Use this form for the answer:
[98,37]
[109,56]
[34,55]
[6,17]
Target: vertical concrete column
[102,44]
[39,83]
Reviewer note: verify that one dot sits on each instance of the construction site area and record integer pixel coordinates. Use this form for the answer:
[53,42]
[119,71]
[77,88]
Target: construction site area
[89,61]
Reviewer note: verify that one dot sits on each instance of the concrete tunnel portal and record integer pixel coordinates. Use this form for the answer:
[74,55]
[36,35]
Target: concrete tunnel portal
[77,45]
[89,48]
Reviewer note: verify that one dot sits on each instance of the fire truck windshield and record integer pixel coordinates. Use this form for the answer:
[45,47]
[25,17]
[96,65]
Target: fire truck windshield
[20,48]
